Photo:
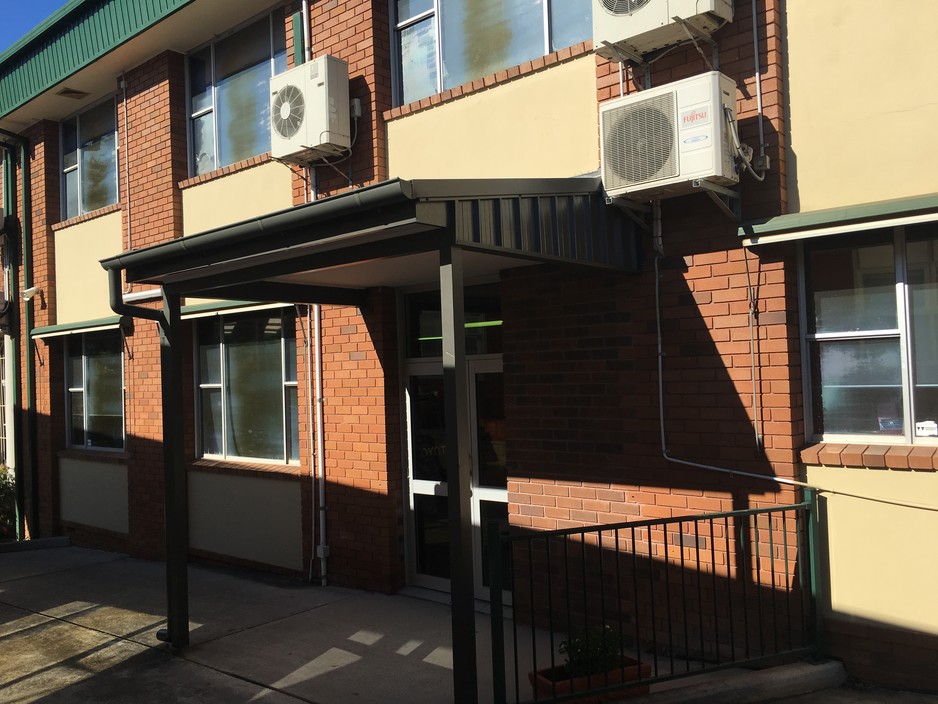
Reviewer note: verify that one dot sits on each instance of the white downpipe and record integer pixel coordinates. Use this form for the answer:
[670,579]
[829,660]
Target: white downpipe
[322,549]
[307,49]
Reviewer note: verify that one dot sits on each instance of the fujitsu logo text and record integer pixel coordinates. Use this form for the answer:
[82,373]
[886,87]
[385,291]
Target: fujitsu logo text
[693,116]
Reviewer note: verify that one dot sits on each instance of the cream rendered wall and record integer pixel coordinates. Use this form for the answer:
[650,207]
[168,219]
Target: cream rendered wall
[253,518]
[245,194]
[80,281]
[94,494]
[541,125]
[881,565]
[863,108]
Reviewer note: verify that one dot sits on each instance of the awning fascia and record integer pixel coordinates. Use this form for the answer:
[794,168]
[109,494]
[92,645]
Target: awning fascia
[836,221]
[109,323]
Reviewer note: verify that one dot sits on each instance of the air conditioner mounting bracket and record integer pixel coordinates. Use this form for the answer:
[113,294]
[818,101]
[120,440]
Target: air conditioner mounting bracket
[636,212]
[726,199]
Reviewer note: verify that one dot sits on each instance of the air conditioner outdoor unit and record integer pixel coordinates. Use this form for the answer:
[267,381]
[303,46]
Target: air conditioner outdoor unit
[657,142]
[642,26]
[309,111]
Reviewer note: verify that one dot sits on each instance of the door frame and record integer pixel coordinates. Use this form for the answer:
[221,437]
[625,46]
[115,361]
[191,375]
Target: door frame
[433,366]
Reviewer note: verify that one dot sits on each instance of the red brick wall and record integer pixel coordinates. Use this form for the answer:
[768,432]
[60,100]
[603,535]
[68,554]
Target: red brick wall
[362,444]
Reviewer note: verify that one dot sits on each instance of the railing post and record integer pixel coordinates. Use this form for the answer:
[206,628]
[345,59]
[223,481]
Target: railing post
[813,546]
[497,545]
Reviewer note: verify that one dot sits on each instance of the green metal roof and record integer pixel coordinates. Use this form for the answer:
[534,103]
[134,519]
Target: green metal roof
[75,36]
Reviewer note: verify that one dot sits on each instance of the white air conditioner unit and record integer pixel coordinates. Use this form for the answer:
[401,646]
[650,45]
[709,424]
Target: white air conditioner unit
[657,142]
[641,26]
[309,111]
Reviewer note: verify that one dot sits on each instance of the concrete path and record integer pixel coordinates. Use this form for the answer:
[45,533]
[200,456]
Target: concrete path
[79,626]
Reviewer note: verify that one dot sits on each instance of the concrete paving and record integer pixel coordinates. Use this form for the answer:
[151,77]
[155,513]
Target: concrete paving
[79,626]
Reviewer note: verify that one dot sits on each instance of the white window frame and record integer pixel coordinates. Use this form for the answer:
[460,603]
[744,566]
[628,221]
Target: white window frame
[63,171]
[903,332]
[222,387]
[83,389]
[193,115]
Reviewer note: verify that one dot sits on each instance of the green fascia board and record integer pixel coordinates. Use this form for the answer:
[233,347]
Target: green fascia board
[74,37]
[49,330]
[834,216]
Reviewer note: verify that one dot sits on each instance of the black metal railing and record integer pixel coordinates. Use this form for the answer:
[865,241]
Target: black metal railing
[636,603]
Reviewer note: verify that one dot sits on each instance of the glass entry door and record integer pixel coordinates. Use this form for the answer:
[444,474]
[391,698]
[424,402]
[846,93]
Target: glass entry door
[428,558]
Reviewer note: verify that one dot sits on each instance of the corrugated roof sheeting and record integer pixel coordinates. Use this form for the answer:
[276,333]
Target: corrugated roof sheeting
[71,41]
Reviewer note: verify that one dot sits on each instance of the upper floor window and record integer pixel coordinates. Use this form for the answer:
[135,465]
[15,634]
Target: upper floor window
[248,386]
[872,333]
[89,160]
[229,93]
[445,43]
[94,375]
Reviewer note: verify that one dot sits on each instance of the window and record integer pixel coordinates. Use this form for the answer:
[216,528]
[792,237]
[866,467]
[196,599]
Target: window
[229,93]
[89,160]
[474,38]
[872,333]
[247,386]
[95,377]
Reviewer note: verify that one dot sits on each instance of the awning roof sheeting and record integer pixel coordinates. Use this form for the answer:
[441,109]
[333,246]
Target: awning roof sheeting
[388,234]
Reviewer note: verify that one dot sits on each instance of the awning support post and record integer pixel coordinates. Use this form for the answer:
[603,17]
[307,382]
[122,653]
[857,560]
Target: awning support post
[174,468]
[458,475]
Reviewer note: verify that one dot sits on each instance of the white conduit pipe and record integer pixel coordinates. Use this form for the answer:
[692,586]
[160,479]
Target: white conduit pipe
[322,548]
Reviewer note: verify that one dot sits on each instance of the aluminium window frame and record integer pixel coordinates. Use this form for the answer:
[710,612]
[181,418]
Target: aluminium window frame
[63,195]
[397,25]
[69,440]
[903,332]
[218,319]
[191,115]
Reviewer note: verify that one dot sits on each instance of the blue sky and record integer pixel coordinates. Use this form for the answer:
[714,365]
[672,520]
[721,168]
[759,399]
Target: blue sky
[20,16]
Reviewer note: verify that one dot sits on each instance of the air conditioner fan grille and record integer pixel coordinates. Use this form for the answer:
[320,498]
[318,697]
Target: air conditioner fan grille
[623,7]
[639,142]
[288,111]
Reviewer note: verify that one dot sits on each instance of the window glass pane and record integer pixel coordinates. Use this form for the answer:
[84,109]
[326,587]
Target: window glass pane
[98,142]
[74,370]
[852,287]
[77,412]
[428,436]
[203,144]
[293,424]
[857,386]
[104,391]
[483,322]
[279,35]
[255,386]
[289,349]
[922,261]
[411,8]
[571,22]
[69,143]
[418,60]
[71,194]
[483,36]
[200,80]
[242,71]
[209,352]
[212,426]
[432,527]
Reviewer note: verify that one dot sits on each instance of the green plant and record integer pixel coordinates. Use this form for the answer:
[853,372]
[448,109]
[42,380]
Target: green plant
[592,651]
[7,505]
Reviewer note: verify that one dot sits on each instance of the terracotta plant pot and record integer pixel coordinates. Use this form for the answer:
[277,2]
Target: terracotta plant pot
[555,682]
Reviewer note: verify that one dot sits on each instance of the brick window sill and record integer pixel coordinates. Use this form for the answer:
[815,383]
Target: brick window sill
[494,79]
[95,455]
[271,470]
[921,458]
[78,219]
[242,165]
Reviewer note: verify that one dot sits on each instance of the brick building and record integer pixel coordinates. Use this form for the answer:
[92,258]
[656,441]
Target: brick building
[342,366]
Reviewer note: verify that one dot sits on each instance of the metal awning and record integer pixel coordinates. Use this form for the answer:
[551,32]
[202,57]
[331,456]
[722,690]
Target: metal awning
[389,235]
[394,233]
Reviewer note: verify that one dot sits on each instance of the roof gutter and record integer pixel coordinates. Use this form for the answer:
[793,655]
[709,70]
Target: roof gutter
[380,195]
